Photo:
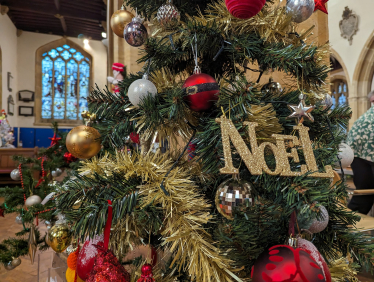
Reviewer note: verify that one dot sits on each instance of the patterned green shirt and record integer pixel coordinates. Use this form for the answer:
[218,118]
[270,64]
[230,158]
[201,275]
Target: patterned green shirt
[361,136]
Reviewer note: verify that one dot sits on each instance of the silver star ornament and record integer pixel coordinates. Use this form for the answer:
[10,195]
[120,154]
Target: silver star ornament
[301,111]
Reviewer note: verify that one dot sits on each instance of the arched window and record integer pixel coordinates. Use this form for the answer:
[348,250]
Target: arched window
[339,92]
[63,82]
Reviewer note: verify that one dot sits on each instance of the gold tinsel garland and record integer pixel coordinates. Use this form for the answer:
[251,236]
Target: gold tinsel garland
[185,211]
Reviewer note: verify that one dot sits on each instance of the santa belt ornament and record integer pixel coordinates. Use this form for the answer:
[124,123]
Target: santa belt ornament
[192,90]
[255,160]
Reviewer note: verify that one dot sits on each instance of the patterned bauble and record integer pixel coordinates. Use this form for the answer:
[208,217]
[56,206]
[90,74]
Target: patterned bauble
[107,268]
[57,172]
[83,142]
[15,174]
[346,155]
[33,200]
[201,91]
[87,255]
[168,15]
[272,88]
[300,10]
[313,251]
[244,9]
[119,20]
[140,89]
[233,194]
[314,224]
[147,275]
[15,262]
[135,32]
[286,264]
[59,237]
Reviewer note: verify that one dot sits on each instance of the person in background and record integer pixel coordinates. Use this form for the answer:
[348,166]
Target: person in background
[361,140]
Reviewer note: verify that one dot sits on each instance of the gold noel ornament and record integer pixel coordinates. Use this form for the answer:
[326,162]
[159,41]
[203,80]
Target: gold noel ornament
[83,141]
[119,20]
[59,237]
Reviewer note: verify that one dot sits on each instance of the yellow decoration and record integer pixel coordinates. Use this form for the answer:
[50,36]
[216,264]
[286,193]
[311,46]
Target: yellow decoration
[83,142]
[59,237]
[255,160]
[70,276]
[185,213]
[32,244]
[336,178]
[119,20]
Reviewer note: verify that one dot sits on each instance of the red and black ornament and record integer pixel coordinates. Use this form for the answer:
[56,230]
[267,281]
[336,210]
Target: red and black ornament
[201,91]
[244,9]
[286,264]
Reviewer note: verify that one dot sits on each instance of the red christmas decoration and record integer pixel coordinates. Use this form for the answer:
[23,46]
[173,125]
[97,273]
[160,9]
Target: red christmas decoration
[191,151]
[107,268]
[2,212]
[286,264]
[313,251]
[244,9]
[87,255]
[321,5]
[54,140]
[147,275]
[135,137]
[202,91]
[69,158]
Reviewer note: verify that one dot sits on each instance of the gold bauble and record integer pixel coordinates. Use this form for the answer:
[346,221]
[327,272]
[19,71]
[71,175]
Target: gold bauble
[83,142]
[119,20]
[59,237]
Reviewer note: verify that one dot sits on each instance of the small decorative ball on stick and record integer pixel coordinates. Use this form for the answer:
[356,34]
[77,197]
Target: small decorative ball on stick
[57,172]
[231,194]
[300,10]
[346,155]
[119,20]
[244,9]
[272,87]
[135,32]
[83,142]
[168,15]
[201,91]
[15,174]
[147,275]
[140,89]
[33,200]
[284,263]
[59,237]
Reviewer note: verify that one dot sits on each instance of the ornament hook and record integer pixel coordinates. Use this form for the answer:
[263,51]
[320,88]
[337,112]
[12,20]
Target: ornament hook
[197,69]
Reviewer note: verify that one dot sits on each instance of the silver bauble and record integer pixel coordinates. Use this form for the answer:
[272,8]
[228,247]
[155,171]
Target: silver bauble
[15,175]
[168,15]
[15,262]
[272,87]
[346,155]
[135,32]
[300,10]
[319,224]
[139,89]
[33,200]
[57,172]
[8,266]
[19,219]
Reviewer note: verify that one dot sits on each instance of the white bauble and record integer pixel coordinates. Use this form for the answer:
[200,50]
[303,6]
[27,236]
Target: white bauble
[33,200]
[57,172]
[346,155]
[15,175]
[141,88]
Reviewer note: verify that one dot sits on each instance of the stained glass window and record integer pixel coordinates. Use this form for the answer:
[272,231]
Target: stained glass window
[65,83]
[339,93]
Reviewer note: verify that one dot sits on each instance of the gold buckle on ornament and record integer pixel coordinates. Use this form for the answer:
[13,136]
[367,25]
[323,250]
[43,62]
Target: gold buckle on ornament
[191,90]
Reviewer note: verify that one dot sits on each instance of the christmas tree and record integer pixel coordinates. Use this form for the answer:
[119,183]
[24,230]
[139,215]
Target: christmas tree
[37,177]
[257,186]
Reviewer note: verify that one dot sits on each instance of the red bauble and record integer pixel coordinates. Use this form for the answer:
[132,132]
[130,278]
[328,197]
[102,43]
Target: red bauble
[147,275]
[244,9]
[107,268]
[202,91]
[87,255]
[135,137]
[286,264]
[313,251]
[69,158]
[2,212]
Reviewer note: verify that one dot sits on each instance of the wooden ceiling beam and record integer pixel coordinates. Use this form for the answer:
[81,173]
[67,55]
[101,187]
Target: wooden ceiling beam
[26,6]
